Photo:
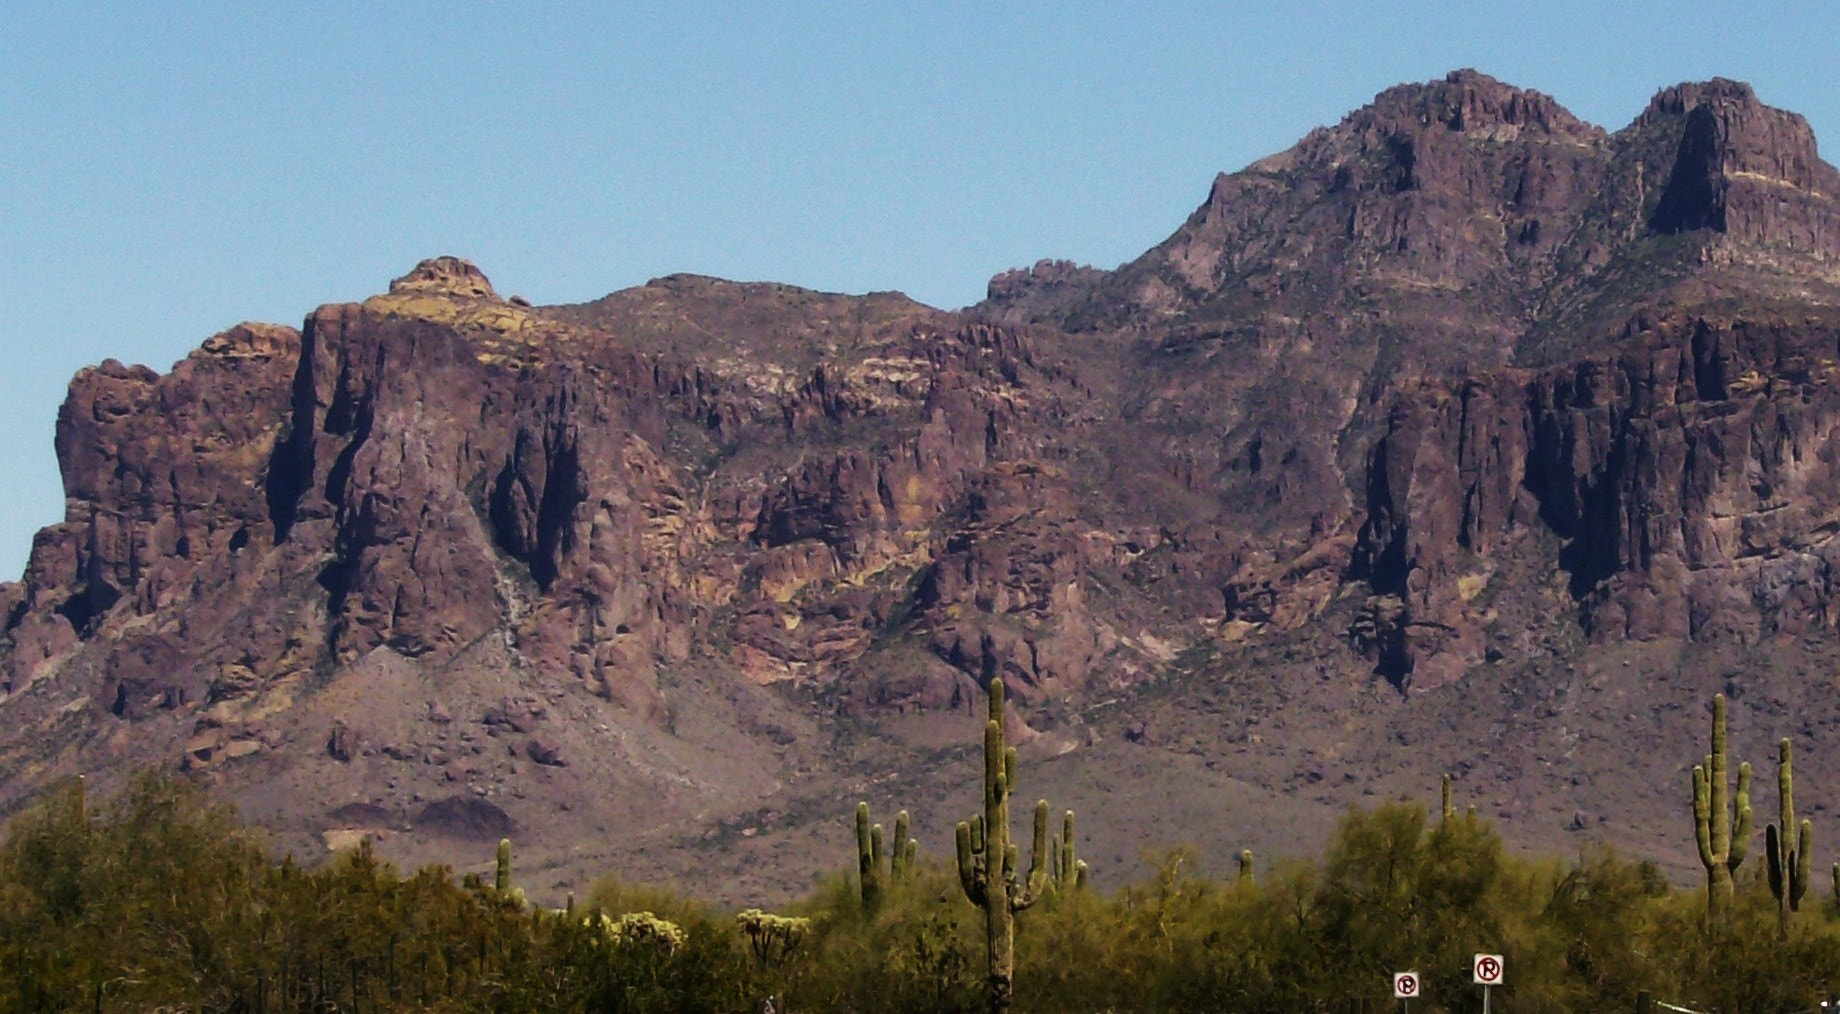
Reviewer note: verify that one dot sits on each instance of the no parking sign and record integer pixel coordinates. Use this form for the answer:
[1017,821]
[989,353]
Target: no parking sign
[1488,969]
[1405,985]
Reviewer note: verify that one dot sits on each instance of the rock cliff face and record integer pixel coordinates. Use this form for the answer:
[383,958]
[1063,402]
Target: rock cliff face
[1426,418]
[160,475]
[1687,482]
[1402,278]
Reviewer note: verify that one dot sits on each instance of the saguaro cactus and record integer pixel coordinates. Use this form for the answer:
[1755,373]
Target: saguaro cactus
[1448,809]
[1723,837]
[501,876]
[1790,864]
[987,860]
[902,854]
[1245,865]
[868,856]
[1069,870]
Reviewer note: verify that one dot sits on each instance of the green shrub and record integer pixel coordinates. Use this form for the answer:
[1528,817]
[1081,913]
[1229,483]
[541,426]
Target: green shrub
[158,899]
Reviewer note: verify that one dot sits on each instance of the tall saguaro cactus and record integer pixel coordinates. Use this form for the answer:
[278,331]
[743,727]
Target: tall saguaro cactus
[1069,870]
[1724,837]
[987,859]
[1790,863]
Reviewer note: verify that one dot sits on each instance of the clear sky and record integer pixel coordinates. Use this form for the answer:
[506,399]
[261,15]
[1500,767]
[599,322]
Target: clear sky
[167,170]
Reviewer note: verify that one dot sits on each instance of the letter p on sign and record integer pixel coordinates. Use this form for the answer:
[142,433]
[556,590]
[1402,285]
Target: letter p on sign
[1488,969]
[1405,985]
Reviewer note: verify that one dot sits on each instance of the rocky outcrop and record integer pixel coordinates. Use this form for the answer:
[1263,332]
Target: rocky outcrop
[165,500]
[435,469]
[1747,171]
[1687,486]
[446,276]
[1448,383]
[1394,269]
[438,480]
[1006,596]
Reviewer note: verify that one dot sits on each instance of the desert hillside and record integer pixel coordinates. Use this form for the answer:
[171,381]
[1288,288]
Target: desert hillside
[1463,436]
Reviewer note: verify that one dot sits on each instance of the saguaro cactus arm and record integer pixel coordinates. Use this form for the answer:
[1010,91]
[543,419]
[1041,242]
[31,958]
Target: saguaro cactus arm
[1772,854]
[1702,818]
[1024,894]
[1741,827]
[970,874]
[1803,870]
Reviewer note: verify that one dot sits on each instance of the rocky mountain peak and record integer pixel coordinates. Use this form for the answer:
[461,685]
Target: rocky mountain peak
[1044,280]
[448,276]
[1470,101]
[1680,99]
[1459,185]
[1747,170]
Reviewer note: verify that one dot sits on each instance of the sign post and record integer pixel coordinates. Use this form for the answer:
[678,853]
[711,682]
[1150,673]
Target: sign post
[1488,970]
[1405,989]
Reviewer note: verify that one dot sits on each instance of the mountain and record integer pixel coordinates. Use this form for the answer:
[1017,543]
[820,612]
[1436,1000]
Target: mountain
[1463,435]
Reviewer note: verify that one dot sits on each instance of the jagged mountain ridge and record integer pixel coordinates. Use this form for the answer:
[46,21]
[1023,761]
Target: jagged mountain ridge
[1400,409]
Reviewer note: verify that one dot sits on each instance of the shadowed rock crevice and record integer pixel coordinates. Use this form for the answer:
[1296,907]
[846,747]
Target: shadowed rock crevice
[533,502]
[290,467]
[1695,194]
[86,608]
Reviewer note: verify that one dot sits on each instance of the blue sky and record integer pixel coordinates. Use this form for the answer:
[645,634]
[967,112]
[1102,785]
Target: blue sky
[167,170]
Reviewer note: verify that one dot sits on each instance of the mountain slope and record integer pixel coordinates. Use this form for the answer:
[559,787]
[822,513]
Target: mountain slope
[1452,438]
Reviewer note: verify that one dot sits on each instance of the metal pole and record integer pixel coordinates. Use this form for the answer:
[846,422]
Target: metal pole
[1485,1000]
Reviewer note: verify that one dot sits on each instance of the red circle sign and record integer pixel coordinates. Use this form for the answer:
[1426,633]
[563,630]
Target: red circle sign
[1405,985]
[1488,969]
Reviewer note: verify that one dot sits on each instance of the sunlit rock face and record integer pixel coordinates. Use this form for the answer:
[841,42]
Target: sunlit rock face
[1458,380]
